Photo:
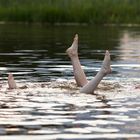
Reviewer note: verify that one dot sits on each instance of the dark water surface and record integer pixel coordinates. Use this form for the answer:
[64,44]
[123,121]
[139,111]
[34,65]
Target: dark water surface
[36,54]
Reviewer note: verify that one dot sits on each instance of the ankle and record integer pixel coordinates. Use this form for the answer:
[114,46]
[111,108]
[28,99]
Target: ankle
[105,71]
[71,53]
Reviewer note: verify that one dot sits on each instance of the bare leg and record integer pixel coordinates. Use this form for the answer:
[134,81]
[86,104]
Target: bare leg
[79,74]
[11,82]
[0,84]
[105,69]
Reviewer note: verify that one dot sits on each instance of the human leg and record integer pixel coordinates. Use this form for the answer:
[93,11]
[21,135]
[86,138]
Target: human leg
[11,82]
[79,74]
[105,69]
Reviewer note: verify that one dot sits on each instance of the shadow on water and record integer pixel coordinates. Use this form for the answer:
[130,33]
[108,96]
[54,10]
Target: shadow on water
[39,51]
[36,53]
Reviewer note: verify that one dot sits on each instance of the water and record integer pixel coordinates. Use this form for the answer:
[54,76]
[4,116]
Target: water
[52,107]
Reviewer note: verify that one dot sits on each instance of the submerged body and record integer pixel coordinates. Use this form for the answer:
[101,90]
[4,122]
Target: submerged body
[80,77]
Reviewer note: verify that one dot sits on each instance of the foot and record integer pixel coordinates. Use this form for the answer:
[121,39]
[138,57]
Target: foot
[73,50]
[11,82]
[106,69]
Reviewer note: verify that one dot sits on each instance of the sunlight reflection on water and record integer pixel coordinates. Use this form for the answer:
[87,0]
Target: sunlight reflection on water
[51,106]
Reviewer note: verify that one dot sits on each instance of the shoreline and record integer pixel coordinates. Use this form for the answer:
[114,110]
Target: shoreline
[70,24]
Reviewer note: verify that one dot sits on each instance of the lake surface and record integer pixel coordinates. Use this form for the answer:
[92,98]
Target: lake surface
[52,107]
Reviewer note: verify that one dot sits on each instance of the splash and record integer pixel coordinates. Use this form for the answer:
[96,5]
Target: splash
[107,89]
